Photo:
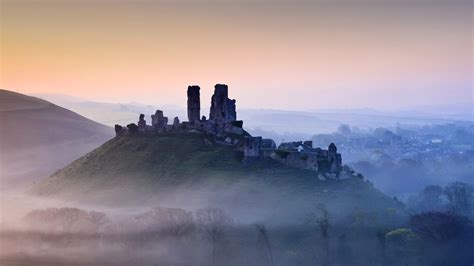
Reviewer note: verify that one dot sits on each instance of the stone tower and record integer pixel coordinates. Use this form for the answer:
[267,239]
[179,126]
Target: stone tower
[334,159]
[194,104]
[222,108]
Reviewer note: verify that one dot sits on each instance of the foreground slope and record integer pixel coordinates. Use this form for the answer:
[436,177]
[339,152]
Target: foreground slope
[38,137]
[188,170]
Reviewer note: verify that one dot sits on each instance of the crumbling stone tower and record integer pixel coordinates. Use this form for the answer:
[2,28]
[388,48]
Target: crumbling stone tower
[222,108]
[334,159]
[194,104]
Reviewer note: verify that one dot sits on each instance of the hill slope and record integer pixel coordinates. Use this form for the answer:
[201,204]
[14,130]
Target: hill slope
[38,137]
[187,170]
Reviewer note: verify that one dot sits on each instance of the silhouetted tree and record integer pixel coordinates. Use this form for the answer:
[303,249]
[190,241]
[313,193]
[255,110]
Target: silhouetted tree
[438,226]
[66,220]
[431,198]
[344,129]
[170,221]
[214,223]
[460,197]
[321,220]
[380,234]
[263,240]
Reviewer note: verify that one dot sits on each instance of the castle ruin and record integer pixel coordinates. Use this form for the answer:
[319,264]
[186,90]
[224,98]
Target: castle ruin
[224,127]
[194,104]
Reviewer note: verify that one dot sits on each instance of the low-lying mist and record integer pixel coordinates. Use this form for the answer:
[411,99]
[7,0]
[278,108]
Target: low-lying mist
[199,227]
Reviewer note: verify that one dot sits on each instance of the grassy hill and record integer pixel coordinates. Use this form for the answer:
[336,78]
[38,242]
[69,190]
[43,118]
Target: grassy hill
[29,122]
[187,170]
[38,137]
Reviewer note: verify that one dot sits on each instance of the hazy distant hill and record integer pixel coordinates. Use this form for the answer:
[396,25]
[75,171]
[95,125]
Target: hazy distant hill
[277,124]
[186,170]
[38,137]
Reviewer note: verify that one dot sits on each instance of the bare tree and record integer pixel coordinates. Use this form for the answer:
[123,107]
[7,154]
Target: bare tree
[64,219]
[169,221]
[460,197]
[439,226]
[263,240]
[431,198]
[322,222]
[214,223]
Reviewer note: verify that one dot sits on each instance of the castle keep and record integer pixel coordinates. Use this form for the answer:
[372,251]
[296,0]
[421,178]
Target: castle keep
[225,129]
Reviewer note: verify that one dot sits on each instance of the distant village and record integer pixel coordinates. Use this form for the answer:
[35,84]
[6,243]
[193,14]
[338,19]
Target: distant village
[223,126]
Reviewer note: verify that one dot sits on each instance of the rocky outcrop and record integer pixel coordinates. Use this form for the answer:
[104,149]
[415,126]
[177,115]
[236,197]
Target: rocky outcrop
[194,104]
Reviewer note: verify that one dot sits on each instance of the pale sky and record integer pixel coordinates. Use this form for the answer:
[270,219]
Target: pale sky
[284,55]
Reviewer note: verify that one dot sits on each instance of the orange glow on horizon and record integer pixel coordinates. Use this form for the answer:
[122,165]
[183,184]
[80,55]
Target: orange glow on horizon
[150,54]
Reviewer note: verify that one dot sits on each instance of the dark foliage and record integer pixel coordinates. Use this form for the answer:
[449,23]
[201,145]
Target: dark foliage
[439,226]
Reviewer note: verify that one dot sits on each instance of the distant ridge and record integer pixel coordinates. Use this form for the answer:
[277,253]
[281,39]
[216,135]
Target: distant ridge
[38,137]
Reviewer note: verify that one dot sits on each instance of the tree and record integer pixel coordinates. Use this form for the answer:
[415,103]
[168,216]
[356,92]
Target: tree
[170,221]
[403,246]
[380,234]
[460,197]
[321,220]
[263,240]
[66,220]
[438,226]
[344,129]
[214,223]
[431,198]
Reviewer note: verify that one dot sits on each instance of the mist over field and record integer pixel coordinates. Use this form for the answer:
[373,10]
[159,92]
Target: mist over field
[255,221]
[236,133]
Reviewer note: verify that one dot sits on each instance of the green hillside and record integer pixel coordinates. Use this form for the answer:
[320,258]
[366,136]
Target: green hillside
[190,170]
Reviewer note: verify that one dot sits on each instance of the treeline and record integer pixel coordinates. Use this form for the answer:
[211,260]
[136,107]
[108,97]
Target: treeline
[210,236]
[456,197]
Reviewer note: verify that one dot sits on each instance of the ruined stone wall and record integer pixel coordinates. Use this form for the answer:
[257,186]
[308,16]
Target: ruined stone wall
[252,146]
[300,160]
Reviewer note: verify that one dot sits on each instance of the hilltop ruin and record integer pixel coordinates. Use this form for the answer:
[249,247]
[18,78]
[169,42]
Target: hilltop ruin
[223,126]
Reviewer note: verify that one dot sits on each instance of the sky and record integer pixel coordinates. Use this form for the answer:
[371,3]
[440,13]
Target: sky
[296,55]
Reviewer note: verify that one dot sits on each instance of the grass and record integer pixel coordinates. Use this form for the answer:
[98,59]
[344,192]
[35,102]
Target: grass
[137,169]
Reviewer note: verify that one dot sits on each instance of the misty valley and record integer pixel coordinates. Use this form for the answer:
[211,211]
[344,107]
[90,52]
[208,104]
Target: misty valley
[205,191]
[236,133]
